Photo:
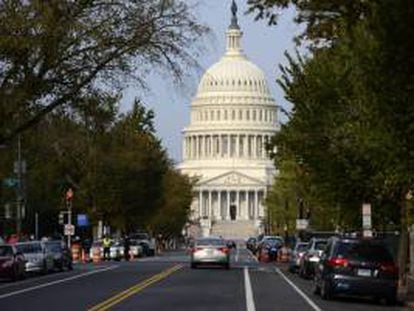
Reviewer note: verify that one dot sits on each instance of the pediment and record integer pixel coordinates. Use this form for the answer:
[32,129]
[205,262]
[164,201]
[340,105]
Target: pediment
[232,178]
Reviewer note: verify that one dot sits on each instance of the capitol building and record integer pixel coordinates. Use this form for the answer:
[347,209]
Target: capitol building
[233,116]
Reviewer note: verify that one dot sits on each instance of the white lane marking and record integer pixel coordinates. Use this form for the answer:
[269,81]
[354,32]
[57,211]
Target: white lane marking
[252,255]
[298,290]
[78,276]
[248,291]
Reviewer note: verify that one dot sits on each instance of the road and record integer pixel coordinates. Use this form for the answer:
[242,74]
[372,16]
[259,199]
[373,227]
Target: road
[167,283]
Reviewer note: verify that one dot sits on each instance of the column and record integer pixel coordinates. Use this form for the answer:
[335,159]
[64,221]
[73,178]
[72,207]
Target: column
[219,205]
[260,146]
[254,147]
[228,145]
[246,145]
[210,211]
[203,149]
[238,207]
[200,204]
[256,205]
[219,145]
[237,146]
[228,205]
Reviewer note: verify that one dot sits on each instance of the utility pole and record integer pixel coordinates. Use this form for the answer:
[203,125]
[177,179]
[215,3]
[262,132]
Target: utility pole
[19,170]
[69,197]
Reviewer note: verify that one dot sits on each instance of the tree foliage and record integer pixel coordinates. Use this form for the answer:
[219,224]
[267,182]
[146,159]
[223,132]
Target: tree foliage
[117,167]
[351,125]
[54,53]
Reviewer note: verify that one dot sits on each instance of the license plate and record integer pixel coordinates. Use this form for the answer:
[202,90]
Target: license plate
[209,252]
[364,272]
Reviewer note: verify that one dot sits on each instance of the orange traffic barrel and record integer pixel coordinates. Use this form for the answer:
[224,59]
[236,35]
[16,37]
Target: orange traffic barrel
[75,252]
[96,255]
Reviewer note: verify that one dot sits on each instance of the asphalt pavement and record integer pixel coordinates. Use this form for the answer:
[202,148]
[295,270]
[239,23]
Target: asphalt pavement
[168,283]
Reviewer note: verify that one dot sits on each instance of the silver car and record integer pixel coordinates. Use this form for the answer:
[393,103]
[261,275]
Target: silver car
[210,251]
[116,251]
[39,259]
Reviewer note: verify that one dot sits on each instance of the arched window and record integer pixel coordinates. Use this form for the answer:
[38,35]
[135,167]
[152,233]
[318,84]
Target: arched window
[247,114]
[240,114]
[218,115]
[212,115]
[254,115]
[225,114]
[233,114]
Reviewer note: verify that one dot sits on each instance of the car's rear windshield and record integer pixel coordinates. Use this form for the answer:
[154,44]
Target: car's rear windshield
[29,248]
[6,251]
[140,236]
[301,247]
[54,247]
[364,252]
[320,245]
[205,242]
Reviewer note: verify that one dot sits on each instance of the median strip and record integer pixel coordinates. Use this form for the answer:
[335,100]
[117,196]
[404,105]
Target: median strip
[116,299]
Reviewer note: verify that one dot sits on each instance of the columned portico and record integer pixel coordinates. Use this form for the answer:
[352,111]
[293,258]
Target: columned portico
[216,206]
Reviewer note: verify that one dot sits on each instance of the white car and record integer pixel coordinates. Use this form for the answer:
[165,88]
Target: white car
[39,258]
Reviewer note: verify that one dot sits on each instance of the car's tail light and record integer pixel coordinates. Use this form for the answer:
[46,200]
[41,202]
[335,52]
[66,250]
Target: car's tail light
[389,267]
[338,262]
[224,250]
[196,249]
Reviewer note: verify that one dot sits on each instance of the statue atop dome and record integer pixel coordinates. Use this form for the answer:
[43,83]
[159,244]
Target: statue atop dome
[234,24]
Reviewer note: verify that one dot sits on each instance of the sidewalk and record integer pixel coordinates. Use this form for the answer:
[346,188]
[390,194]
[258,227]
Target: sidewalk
[409,303]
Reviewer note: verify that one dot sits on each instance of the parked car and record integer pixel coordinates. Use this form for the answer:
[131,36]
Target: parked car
[135,248]
[62,255]
[12,263]
[38,258]
[251,244]
[145,241]
[96,248]
[357,267]
[311,257]
[209,251]
[296,256]
[116,251]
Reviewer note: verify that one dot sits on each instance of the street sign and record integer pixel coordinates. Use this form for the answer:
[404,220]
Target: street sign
[366,216]
[69,229]
[366,221]
[10,182]
[82,220]
[302,224]
[366,209]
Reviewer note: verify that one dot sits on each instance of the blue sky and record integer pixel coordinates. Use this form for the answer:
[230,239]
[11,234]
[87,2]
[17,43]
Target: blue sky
[264,45]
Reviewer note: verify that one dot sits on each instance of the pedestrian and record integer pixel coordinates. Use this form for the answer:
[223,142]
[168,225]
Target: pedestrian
[106,247]
[159,243]
[126,247]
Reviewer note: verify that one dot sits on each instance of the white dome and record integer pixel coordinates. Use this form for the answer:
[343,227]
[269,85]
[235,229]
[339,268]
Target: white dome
[233,74]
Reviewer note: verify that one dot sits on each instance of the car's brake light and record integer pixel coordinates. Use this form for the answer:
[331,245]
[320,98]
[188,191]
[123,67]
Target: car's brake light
[224,250]
[389,267]
[338,262]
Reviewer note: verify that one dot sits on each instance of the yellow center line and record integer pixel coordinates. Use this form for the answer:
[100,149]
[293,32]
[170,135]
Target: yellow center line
[105,305]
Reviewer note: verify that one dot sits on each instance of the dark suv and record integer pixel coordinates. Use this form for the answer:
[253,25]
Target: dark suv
[355,266]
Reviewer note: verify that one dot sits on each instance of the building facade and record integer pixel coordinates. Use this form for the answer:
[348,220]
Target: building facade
[233,116]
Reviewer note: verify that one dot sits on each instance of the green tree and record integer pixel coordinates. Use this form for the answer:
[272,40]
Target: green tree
[53,53]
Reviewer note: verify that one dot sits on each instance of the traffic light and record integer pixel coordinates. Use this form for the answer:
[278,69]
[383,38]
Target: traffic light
[61,218]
